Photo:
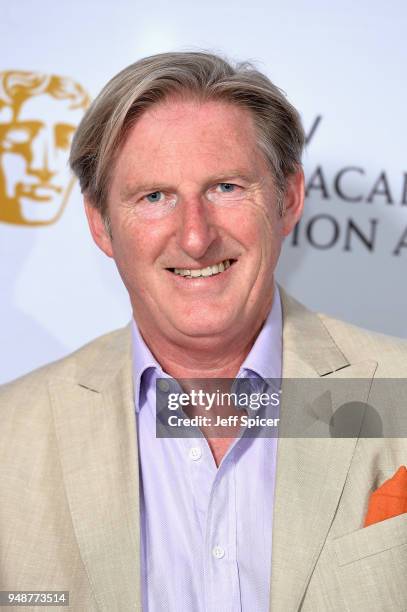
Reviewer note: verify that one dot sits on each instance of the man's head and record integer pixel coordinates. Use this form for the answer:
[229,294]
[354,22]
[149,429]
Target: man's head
[186,163]
[38,116]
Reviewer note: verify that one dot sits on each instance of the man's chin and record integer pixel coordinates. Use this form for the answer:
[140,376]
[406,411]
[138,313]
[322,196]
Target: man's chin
[205,328]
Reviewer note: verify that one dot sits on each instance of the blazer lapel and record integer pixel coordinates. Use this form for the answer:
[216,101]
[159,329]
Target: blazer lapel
[96,431]
[311,471]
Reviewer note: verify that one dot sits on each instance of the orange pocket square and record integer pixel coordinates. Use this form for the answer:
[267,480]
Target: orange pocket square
[388,500]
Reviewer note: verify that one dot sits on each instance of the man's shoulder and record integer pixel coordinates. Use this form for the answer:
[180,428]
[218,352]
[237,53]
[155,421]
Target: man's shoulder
[104,352]
[358,339]
[26,413]
[319,337]
[358,343]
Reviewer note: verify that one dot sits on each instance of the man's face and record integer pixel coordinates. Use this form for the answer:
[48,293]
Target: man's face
[191,190]
[34,148]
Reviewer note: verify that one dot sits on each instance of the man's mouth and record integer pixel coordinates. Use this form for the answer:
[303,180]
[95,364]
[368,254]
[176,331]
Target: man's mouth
[205,272]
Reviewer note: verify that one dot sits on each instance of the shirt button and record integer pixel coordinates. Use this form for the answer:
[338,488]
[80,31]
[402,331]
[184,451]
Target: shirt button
[218,552]
[195,453]
[163,385]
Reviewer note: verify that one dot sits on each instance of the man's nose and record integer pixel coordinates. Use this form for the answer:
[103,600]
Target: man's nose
[196,231]
[41,158]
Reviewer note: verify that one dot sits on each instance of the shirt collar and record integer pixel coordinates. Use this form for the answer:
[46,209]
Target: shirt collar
[143,360]
[264,358]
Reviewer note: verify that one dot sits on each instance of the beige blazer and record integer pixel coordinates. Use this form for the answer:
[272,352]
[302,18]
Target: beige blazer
[69,511]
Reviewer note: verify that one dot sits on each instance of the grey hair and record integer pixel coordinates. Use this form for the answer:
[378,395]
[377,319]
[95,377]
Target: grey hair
[202,75]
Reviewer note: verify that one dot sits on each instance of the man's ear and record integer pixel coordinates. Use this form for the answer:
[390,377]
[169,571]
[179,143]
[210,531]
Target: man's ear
[293,201]
[97,228]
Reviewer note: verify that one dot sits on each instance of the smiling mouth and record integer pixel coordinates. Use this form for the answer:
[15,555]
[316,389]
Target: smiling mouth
[204,272]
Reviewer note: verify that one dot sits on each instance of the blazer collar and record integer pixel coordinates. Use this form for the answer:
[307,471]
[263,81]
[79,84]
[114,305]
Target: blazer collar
[102,360]
[306,341]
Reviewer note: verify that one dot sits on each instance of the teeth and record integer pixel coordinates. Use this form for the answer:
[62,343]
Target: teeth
[209,271]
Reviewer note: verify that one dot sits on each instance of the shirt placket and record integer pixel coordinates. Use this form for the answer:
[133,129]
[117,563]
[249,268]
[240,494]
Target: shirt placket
[221,579]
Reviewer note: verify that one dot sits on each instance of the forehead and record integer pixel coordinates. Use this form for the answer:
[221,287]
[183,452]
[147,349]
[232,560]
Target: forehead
[189,135]
[178,113]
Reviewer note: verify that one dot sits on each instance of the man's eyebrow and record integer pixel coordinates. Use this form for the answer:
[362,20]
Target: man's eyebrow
[130,191]
[230,175]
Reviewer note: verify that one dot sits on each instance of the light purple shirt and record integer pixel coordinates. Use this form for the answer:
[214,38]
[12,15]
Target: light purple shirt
[206,531]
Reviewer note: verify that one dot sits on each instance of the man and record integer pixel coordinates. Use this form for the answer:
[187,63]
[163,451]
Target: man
[191,174]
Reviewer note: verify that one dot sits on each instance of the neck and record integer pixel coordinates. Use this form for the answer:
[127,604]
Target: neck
[217,361]
[201,358]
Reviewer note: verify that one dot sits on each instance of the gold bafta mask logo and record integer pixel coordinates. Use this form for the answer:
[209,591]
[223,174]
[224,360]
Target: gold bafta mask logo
[38,116]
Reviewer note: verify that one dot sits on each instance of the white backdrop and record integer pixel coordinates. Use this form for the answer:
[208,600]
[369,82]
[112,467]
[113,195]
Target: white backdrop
[341,62]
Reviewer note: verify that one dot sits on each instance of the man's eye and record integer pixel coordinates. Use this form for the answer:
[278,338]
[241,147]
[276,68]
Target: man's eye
[155,204]
[156,196]
[226,194]
[227,187]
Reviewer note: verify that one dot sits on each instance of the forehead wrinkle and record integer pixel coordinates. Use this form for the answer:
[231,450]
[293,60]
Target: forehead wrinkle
[180,149]
[181,110]
[131,189]
[179,159]
[178,176]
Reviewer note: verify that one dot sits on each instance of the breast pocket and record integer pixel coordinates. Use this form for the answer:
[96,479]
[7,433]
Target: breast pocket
[372,566]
